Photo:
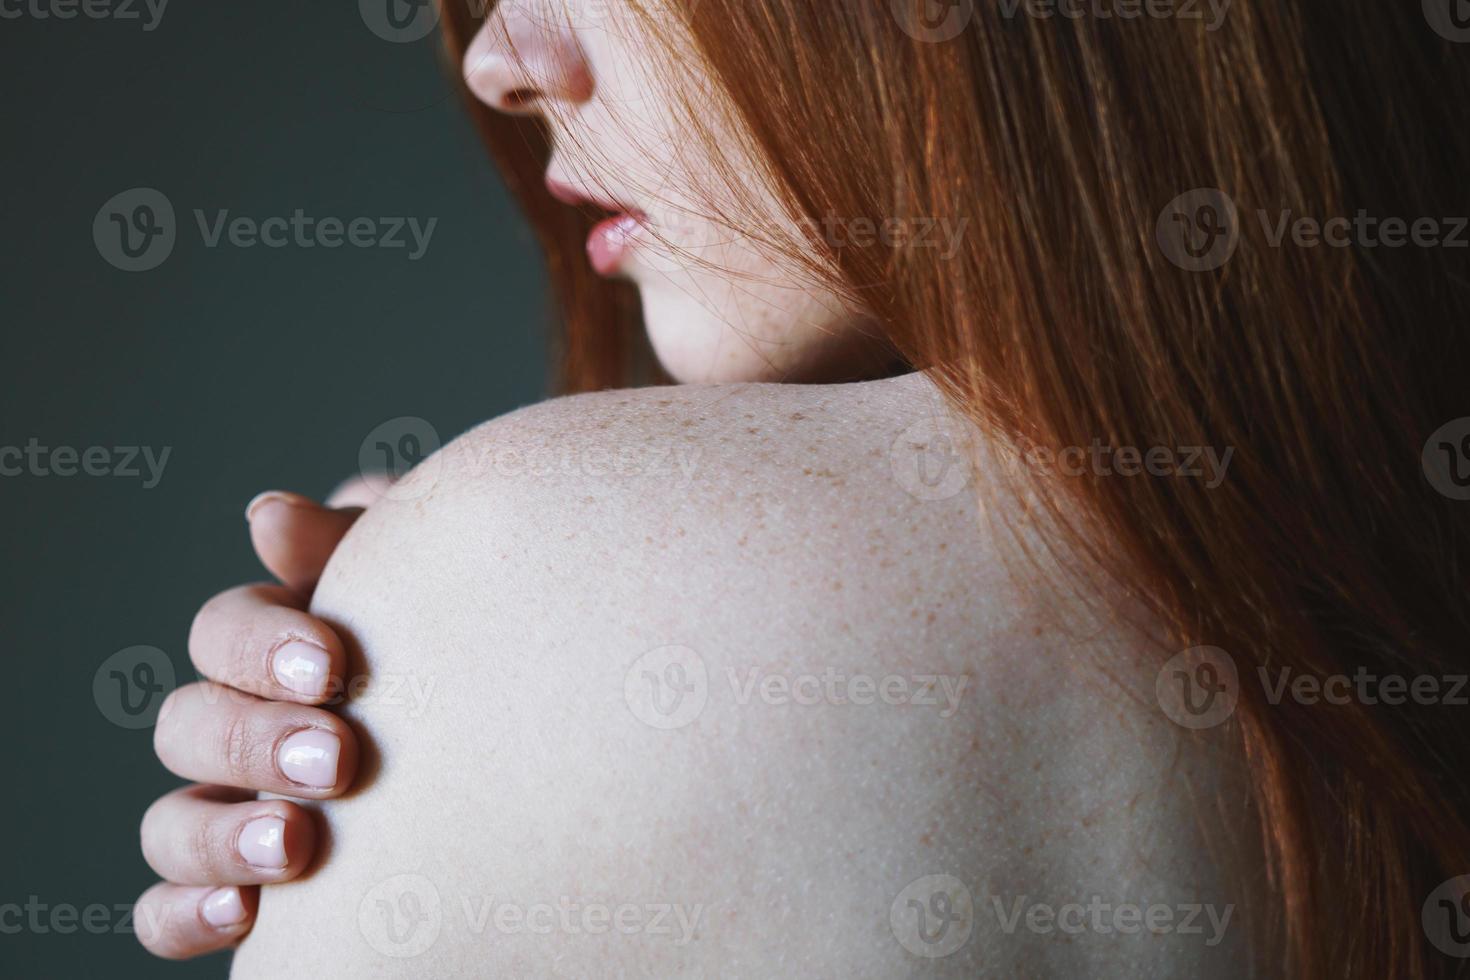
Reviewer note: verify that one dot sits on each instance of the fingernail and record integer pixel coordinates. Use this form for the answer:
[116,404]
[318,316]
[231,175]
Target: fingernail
[310,758]
[260,500]
[222,908]
[263,842]
[302,667]
[252,509]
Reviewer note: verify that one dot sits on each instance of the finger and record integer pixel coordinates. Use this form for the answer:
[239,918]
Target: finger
[214,734]
[180,921]
[212,835]
[361,491]
[294,536]
[256,638]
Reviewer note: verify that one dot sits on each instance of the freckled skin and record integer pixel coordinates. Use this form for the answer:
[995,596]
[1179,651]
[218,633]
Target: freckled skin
[787,549]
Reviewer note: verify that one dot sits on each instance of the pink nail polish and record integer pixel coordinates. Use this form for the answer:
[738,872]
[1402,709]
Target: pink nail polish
[263,842]
[222,908]
[302,667]
[310,758]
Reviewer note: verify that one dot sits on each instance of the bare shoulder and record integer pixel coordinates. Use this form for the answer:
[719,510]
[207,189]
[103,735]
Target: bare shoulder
[734,681]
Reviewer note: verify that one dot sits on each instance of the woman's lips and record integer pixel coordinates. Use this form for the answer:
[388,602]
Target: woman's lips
[612,238]
[611,241]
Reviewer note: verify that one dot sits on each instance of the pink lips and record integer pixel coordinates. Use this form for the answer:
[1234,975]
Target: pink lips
[613,237]
[610,242]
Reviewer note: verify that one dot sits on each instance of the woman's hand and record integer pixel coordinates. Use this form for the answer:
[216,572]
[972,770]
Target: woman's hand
[254,725]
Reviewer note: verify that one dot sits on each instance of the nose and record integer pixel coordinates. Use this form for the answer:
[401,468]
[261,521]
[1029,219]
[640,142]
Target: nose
[525,56]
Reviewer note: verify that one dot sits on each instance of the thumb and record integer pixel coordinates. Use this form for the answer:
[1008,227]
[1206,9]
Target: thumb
[294,536]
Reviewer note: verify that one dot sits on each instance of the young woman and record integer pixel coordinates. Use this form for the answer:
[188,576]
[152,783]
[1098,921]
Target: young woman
[1092,606]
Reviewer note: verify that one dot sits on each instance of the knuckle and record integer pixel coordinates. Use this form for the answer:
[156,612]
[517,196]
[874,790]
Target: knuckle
[240,751]
[204,848]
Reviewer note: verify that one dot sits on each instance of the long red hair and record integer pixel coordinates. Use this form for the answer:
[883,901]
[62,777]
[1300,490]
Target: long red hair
[1062,320]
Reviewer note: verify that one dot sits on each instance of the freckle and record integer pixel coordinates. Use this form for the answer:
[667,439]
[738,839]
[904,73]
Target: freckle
[589,500]
[974,745]
[837,586]
[926,840]
[1026,851]
[943,545]
[797,417]
[1036,631]
[687,423]
[753,430]
[678,532]
[930,618]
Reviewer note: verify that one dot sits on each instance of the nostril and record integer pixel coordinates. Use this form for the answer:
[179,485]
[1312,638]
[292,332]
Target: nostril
[519,98]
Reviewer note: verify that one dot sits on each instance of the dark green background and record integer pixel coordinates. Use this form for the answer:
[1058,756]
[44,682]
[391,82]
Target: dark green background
[259,367]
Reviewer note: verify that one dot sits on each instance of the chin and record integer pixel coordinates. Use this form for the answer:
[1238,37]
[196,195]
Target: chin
[695,346]
[780,334]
